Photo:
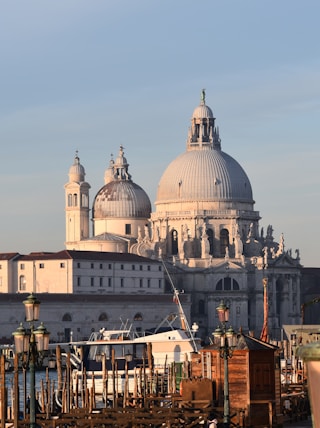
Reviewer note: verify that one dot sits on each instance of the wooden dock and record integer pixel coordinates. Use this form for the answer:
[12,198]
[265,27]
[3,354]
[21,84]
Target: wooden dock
[80,406]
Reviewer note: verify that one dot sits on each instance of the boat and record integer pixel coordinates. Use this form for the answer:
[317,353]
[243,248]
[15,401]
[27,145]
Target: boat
[118,359]
[121,354]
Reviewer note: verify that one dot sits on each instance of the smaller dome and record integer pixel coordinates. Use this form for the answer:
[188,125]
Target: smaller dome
[121,199]
[202,112]
[76,171]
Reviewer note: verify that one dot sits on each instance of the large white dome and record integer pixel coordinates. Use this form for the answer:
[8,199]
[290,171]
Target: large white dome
[204,175]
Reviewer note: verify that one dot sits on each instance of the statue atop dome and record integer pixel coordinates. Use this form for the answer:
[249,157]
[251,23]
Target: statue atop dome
[203,96]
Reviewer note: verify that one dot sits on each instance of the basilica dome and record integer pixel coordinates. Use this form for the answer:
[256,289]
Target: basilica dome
[121,199]
[206,175]
[204,172]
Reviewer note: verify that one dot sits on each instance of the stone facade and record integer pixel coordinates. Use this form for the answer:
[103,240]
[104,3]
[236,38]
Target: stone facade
[204,227]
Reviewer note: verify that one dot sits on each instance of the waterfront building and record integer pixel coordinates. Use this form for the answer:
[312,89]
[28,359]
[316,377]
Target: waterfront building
[205,228]
[88,272]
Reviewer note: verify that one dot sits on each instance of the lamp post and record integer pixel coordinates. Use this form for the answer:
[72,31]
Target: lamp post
[226,339]
[293,338]
[30,345]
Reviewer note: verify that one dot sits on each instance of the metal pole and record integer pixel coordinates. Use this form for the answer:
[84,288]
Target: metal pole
[32,370]
[226,407]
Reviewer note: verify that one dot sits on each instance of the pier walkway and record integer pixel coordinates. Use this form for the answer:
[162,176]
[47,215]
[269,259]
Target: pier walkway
[299,424]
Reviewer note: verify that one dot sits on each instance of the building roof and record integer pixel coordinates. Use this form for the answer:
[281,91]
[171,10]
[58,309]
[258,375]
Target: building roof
[88,255]
[245,342]
[8,256]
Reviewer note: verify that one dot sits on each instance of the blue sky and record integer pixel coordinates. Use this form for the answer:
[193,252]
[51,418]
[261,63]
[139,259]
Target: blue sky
[91,75]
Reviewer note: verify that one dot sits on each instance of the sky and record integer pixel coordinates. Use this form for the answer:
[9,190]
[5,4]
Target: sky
[94,75]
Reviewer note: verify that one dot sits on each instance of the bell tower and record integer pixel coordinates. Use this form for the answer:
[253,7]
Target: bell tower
[76,205]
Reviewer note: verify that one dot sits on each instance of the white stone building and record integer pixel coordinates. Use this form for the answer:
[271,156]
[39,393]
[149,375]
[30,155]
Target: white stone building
[81,272]
[204,227]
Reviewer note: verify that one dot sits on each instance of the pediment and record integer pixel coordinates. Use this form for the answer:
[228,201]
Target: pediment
[227,266]
[285,260]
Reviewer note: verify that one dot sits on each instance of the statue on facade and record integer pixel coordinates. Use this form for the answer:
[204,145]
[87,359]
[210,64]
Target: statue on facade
[226,256]
[146,233]
[238,245]
[281,246]
[269,236]
[205,246]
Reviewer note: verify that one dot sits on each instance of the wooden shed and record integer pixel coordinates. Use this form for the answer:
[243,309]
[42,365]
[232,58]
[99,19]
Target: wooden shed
[254,380]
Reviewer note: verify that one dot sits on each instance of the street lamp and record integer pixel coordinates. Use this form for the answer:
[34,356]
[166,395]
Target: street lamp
[30,345]
[226,339]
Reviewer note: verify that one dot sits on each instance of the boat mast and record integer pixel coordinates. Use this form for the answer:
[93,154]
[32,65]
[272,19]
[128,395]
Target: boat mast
[183,319]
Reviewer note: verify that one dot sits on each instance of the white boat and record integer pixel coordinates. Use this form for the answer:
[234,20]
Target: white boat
[119,359]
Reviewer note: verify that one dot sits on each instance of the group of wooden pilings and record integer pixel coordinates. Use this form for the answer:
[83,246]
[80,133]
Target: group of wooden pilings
[63,402]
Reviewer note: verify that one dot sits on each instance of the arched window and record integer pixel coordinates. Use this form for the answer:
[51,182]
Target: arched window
[103,317]
[224,241]
[84,200]
[22,283]
[138,317]
[235,285]
[219,285]
[174,239]
[210,239]
[227,284]
[69,200]
[67,317]
[75,200]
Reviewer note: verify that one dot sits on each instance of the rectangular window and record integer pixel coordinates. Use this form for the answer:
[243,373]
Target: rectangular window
[92,282]
[160,283]
[92,265]
[101,282]
[160,268]
[78,281]
[41,265]
[121,282]
[121,267]
[149,268]
[62,265]
[128,229]
[101,265]
[109,282]
[109,266]
[21,266]
[141,267]
[133,267]
[78,265]
[149,283]
[141,283]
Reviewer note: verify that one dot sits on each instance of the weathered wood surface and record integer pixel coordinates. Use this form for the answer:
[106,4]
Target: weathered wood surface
[200,399]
